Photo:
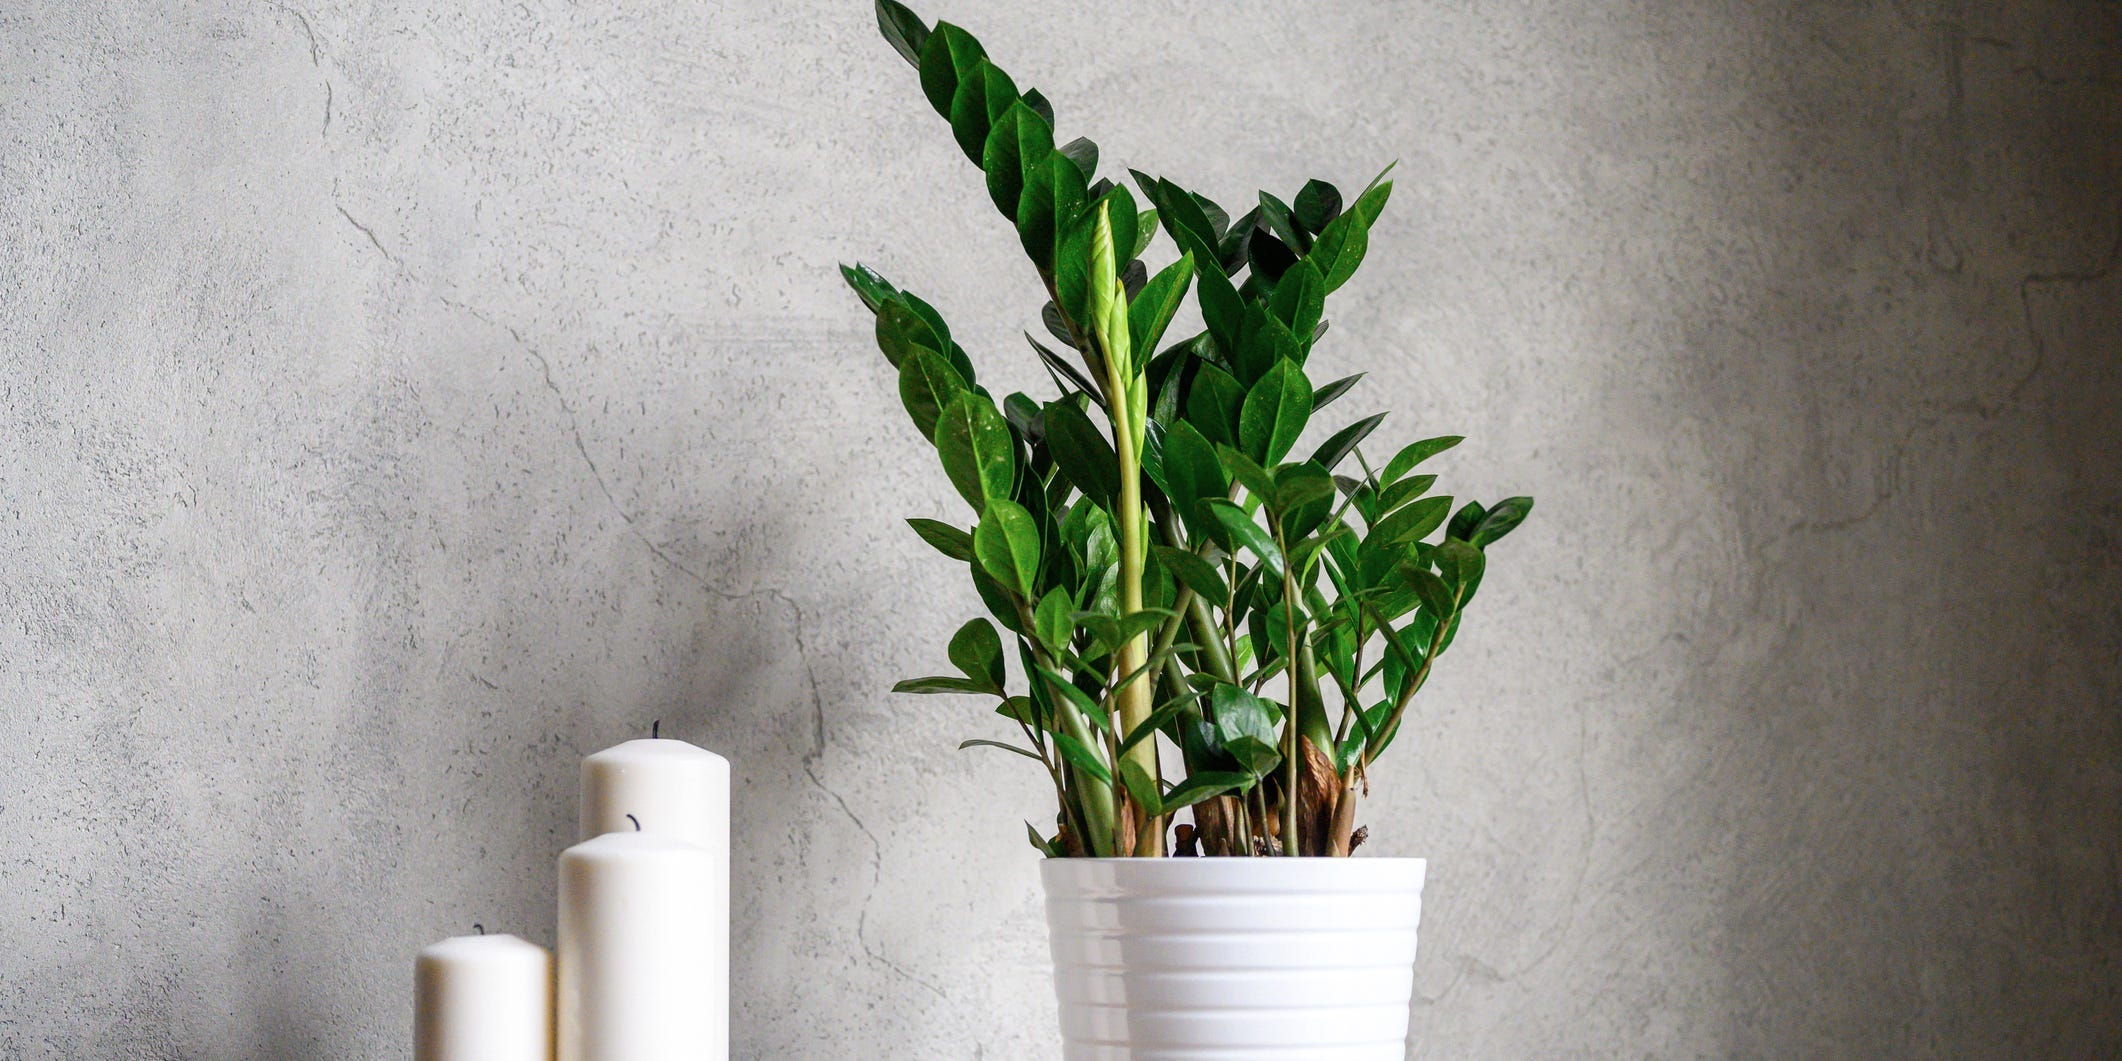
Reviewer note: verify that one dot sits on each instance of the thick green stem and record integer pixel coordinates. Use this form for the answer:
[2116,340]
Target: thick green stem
[1292,752]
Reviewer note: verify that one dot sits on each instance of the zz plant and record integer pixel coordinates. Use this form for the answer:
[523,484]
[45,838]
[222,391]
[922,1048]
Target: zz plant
[1165,562]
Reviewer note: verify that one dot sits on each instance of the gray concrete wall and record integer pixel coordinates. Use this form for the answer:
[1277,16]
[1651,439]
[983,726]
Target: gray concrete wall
[402,400]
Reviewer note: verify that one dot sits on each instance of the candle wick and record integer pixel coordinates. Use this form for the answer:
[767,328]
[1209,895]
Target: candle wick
[481,928]
[636,821]
[655,729]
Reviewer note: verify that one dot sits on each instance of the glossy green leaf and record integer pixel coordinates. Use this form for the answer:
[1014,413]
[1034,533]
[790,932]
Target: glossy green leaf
[1340,249]
[1052,199]
[1194,573]
[1151,311]
[1465,520]
[1415,453]
[940,685]
[978,452]
[1076,699]
[1316,205]
[983,96]
[1500,520]
[962,745]
[1084,153]
[1202,785]
[927,384]
[1274,214]
[903,29]
[1412,523]
[1275,412]
[1141,786]
[1298,299]
[1335,449]
[945,57]
[874,290]
[948,540]
[977,650]
[1245,726]
[1019,142]
[1222,311]
[1007,545]
[1082,452]
[1083,758]
[1240,530]
[1051,621]
[1191,471]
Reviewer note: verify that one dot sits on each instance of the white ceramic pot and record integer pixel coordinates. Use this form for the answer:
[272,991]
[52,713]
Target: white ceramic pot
[1188,959]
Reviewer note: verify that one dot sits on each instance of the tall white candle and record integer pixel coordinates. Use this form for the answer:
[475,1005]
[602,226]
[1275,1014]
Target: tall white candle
[669,786]
[483,998]
[681,792]
[644,971]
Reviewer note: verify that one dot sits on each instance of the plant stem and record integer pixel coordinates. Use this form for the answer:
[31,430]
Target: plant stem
[1292,749]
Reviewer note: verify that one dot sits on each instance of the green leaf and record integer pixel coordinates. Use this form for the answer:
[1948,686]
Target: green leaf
[873,289]
[1044,845]
[1340,249]
[1274,214]
[1157,719]
[1247,472]
[1151,311]
[1429,589]
[1298,299]
[927,383]
[1198,787]
[900,330]
[940,685]
[1335,449]
[1084,153]
[1316,205]
[1021,708]
[1415,453]
[1194,573]
[1083,758]
[978,452]
[1019,142]
[1275,412]
[1053,197]
[1500,520]
[1331,391]
[1464,522]
[962,745]
[1052,621]
[1240,530]
[984,95]
[1082,452]
[1372,201]
[945,57]
[948,540]
[1141,786]
[1191,471]
[1215,403]
[1245,724]
[1461,564]
[977,650]
[1077,699]
[1007,544]
[1000,603]
[903,29]
[1411,487]
[1039,105]
[1412,523]
[1222,310]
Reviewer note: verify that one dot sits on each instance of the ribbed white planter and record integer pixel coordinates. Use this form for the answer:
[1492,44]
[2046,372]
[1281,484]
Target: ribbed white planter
[1187,959]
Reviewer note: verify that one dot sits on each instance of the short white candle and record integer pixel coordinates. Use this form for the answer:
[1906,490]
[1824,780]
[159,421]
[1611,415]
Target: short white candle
[669,786]
[644,966]
[483,998]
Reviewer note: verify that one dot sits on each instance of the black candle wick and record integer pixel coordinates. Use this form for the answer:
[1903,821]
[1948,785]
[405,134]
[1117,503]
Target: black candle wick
[655,729]
[479,927]
[636,821]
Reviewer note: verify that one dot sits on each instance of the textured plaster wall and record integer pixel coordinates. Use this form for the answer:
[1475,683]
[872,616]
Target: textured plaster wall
[402,400]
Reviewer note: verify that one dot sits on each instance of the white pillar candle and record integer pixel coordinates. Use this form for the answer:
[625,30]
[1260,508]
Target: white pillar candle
[483,998]
[644,970]
[681,792]
[669,786]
